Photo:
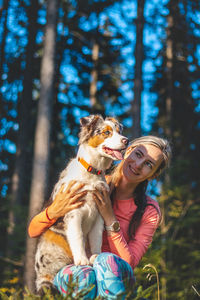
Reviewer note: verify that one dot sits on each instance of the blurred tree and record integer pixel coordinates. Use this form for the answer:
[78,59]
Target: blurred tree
[139,56]
[22,171]
[94,74]
[4,18]
[6,157]
[58,150]
[10,82]
[93,55]
[42,136]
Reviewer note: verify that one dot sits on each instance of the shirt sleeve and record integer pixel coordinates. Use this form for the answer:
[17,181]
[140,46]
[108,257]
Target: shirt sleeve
[133,251]
[39,224]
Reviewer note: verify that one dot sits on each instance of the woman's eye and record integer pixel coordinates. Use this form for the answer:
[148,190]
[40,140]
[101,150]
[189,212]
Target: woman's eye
[149,164]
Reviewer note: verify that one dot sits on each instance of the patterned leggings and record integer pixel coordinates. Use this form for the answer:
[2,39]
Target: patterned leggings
[109,276]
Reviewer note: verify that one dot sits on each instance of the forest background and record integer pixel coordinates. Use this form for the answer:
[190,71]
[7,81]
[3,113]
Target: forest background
[135,60]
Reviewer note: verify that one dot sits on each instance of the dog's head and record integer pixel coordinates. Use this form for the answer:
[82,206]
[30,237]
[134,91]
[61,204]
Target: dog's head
[104,135]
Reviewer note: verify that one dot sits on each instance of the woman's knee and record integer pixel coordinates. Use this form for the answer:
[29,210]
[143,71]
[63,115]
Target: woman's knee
[109,263]
[81,277]
[83,274]
[114,276]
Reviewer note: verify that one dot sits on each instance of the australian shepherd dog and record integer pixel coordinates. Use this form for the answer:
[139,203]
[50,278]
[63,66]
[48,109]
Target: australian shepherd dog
[100,142]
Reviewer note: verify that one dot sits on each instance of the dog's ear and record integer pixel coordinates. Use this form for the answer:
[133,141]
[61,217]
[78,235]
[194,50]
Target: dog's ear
[85,121]
[88,127]
[90,120]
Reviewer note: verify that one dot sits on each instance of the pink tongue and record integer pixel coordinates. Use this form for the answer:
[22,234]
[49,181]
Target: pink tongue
[117,154]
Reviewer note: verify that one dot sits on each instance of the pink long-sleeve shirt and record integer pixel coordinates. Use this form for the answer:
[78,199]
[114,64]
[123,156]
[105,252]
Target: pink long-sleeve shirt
[131,250]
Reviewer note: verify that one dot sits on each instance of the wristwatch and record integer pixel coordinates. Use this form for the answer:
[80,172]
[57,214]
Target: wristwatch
[114,227]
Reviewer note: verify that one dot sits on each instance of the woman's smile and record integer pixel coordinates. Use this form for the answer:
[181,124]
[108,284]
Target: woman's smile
[133,170]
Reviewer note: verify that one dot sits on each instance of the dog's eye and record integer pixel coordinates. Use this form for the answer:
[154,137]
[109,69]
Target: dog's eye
[107,132]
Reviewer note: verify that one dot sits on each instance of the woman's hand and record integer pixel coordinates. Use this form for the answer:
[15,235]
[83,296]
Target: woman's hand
[66,200]
[103,202]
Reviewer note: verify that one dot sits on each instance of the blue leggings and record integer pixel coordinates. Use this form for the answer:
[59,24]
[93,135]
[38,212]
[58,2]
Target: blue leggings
[110,276]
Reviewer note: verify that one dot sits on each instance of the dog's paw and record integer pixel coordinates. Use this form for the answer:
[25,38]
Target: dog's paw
[102,186]
[81,261]
[92,259]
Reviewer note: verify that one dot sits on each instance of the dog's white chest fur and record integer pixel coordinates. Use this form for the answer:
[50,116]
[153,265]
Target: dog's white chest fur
[84,222]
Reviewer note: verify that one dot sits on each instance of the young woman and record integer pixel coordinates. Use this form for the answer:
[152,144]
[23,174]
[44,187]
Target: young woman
[130,217]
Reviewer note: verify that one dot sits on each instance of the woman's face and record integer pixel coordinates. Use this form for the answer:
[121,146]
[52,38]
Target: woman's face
[142,163]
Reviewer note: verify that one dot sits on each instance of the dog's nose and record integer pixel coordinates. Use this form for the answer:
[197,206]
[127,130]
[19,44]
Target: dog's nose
[125,141]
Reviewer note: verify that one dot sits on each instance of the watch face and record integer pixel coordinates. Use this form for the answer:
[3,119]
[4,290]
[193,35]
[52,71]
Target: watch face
[116,226]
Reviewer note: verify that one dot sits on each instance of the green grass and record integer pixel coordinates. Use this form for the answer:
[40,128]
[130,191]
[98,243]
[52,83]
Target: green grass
[12,290]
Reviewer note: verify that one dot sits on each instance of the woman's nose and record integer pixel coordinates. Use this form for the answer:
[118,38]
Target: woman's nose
[138,164]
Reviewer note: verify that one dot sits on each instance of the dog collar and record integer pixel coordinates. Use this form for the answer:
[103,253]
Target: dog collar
[88,167]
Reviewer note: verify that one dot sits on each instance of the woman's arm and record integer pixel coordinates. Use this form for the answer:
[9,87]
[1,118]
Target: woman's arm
[133,250]
[62,204]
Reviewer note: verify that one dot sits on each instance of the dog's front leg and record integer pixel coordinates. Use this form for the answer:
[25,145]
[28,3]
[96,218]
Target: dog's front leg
[76,239]
[95,238]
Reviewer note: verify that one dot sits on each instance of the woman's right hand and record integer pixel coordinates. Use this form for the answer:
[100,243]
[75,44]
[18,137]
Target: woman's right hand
[66,200]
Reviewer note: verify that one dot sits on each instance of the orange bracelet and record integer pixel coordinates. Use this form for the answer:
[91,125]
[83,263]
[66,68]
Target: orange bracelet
[47,215]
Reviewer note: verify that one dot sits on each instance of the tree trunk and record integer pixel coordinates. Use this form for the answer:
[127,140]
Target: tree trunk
[169,65]
[168,133]
[163,264]
[22,163]
[42,137]
[94,75]
[5,31]
[136,106]
[57,107]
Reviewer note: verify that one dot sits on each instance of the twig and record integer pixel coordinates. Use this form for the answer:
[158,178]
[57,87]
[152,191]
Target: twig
[149,276]
[12,262]
[195,290]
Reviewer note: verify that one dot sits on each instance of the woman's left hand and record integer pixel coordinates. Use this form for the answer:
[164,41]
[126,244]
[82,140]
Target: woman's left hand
[103,202]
